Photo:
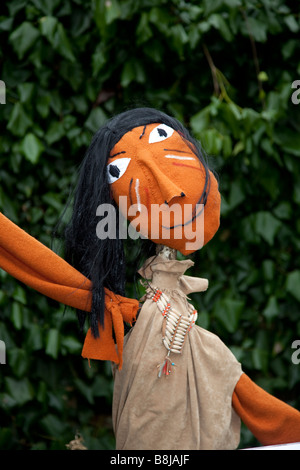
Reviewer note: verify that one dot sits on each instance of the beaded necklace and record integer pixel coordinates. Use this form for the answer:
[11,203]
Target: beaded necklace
[175,327]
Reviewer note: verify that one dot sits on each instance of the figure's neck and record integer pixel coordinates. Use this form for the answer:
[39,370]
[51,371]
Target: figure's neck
[166,252]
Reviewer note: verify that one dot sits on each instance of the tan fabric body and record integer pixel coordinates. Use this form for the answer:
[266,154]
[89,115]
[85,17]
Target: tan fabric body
[192,407]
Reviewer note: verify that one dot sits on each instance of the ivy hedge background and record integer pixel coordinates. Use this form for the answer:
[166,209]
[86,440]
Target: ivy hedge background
[225,69]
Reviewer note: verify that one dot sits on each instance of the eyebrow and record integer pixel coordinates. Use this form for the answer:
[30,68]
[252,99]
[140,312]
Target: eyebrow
[119,153]
[175,150]
[143,131]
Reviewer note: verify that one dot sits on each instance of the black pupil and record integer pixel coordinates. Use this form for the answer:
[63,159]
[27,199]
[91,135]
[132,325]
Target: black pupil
[162,133]
[114,170]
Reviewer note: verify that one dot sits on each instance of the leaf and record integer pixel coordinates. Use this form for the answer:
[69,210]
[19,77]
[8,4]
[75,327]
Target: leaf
[55,132]
[20,295]
[35,338]
[283,211]
[6,438]
[268,269]
[266,225]
[19,361]
[53,199]
[211,141]
[288,141]
[85,390]
[20,390]
[143,30]
[17,315]
[292,23]
[23,38]
[112,10]
[263,76]
[98,60]
[53,425]
[19,121]
[262,346]
[218,22]
[43,104]
[200,121]
[256,28]
[32,148]
[48,25]
[106,12]
[271,310]
[194,35]
[71,345]
[210,7]
[25,91]
[102,387]
[52,343]
[46,6]
[96,119]
[236,196]
[227,146]
[293,284]
[228,312]
[179,38]
[63,45]
[260,359]
[132,71]
[203,320]
[54,31]
[5,23]
[160,17]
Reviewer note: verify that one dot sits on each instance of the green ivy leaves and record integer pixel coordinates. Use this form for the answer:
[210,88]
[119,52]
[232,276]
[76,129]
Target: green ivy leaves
[23,38]
[31,147]
[54,31]
[223,68]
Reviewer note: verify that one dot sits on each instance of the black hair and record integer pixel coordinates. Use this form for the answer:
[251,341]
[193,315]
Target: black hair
[103,261]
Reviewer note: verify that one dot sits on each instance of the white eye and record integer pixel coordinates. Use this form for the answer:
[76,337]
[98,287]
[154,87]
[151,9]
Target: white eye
[160,133]
[116,169]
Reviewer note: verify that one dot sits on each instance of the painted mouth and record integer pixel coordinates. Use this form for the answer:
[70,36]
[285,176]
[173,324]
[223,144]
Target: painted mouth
[136,189]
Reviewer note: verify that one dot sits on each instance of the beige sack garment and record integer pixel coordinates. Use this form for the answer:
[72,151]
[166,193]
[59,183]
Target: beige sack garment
[192,407]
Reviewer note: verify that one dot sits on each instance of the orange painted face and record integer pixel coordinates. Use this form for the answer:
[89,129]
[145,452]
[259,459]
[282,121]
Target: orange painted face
[157,181]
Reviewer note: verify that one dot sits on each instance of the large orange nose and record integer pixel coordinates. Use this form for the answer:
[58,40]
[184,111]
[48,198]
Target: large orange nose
[167,188]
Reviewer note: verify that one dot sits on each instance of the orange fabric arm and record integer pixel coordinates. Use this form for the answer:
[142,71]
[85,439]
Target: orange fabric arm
[270,420]
[31,262]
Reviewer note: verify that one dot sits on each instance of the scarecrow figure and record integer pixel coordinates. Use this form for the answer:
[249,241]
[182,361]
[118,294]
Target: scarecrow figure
[176,385]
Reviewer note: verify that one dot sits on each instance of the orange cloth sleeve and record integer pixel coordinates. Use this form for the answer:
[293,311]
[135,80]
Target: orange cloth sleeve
[270,420]
[32,263]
